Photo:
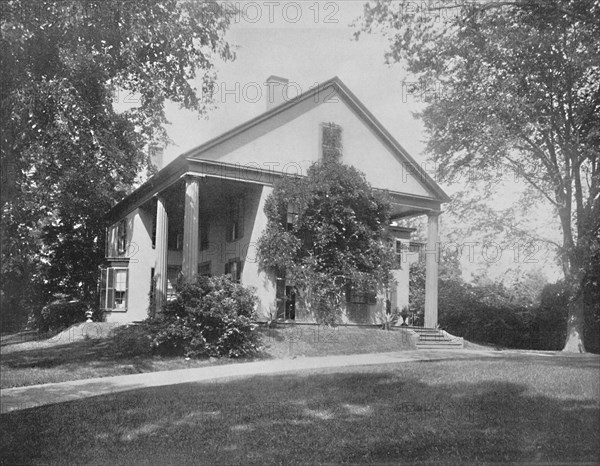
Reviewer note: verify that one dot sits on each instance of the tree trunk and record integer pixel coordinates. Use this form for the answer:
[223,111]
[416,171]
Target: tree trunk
[573,276]
[575,325]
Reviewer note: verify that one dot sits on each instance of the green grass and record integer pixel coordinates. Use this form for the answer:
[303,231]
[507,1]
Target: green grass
[513,408]
[69,356]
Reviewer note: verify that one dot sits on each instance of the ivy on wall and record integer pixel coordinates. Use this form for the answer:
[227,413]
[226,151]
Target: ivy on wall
[334,238]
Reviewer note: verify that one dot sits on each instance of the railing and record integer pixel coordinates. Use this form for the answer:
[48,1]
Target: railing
[412,319]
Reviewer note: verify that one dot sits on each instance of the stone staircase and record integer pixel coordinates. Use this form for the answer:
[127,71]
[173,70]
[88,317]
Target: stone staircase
[431,338]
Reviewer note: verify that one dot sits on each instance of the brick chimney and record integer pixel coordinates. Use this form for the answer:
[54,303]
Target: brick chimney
[276,91]
[156,156]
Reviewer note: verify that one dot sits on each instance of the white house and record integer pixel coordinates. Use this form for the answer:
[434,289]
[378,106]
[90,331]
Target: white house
[203,212]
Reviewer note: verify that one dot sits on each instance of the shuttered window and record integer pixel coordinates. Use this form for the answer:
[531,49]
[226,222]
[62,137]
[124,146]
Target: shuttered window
[114,285]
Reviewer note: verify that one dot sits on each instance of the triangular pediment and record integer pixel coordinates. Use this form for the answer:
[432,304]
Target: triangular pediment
[287,139]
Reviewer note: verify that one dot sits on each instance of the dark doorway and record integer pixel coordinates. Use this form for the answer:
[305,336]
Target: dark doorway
[286,299]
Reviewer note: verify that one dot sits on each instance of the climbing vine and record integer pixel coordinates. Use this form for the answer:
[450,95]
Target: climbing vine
[326,234]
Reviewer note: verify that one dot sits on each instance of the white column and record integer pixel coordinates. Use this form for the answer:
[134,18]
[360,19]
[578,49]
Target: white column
[189,266]
[431,271]
[161,247]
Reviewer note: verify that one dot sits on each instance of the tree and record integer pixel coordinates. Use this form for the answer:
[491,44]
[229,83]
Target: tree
[67,155]
[517,87]
[326,232]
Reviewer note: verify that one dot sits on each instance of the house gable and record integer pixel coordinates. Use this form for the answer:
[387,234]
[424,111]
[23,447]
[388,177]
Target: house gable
[287,139]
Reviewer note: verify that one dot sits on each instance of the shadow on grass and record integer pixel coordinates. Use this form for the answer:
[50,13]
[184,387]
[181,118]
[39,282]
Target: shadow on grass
[557,360]
[93,350]
[372,415]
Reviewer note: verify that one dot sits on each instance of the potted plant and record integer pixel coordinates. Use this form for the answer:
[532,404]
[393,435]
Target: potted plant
[405,314]
[390,319]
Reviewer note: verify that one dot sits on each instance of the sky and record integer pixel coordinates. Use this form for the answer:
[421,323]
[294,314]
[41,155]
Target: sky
[309,42]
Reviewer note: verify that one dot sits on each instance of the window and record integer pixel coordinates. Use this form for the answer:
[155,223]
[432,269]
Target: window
[398,251]
[175,240]
[290,303]
[416,249]
[331,141]
[360,295]
[113,289]
[120,289]
[235,220]
[204,269]
[154,228]
[234,268]
[292,216]
[203,236]
[152,283]
[122,236]
[285,294]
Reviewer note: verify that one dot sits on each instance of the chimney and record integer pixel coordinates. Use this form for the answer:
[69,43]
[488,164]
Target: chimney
[156,156]
[276,91]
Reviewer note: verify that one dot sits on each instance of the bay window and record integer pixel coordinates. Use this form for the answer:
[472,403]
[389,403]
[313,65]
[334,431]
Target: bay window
[114,282]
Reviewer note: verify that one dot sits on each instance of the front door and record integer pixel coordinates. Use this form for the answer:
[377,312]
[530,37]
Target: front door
[286,300]
[290,303]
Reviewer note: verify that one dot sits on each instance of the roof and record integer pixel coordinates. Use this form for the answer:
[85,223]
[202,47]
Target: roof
[181,164]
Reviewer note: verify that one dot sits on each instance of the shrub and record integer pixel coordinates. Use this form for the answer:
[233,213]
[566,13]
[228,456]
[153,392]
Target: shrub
[61,313]
[482,313]
[550,319]
[209,317]
[132,340]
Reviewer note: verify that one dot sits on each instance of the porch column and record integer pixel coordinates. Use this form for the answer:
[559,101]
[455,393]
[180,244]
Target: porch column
[161,247]
[431,271]
[189,266]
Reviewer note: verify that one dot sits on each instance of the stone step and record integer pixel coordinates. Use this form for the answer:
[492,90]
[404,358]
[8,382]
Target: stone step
[434,340]
[426,332]
[439,342]
[446,345]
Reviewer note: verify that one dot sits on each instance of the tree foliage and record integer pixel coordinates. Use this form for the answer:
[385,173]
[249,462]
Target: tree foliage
[337,239]
[67,154]
[513,86]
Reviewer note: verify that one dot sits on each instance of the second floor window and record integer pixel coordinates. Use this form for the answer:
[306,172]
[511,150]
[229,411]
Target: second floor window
[235,220]
[203,235]
[292,216]
[175,240]
[331,141]
[154,226]
[122,236]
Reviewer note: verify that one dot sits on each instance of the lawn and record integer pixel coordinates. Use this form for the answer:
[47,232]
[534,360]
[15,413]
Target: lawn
[513,408]
[70,356]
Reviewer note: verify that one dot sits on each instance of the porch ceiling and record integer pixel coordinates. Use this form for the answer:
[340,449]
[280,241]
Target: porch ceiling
[402,211]
[405,205]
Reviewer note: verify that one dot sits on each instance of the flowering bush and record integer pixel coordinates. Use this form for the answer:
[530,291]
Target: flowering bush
[209,317]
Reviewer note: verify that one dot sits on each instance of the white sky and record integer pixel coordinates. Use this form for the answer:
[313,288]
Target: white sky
[305,52]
